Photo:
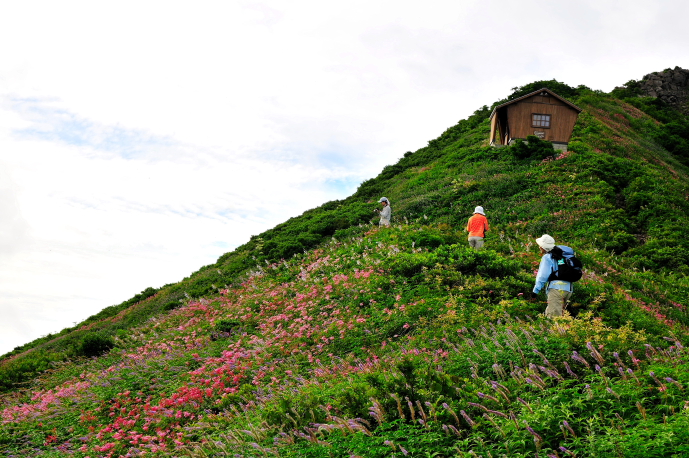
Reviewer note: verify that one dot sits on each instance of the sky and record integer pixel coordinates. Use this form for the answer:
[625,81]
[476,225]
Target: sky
[141,140]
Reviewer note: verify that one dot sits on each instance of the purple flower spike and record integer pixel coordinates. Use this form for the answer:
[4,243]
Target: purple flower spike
[569,428]
[467,418]
[569,371]
[534,433]
[497,412]
[577,357]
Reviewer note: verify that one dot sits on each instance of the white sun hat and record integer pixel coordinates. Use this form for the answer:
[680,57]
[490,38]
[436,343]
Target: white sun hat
[479,209]
[546,242]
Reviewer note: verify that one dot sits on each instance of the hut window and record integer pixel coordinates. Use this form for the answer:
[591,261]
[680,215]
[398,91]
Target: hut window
[540,120]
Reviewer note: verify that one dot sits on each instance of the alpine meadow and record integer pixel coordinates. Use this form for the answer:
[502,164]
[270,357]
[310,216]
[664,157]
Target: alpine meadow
[328,336]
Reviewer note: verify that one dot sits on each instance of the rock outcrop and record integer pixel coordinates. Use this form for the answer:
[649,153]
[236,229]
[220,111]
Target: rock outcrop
[671,86]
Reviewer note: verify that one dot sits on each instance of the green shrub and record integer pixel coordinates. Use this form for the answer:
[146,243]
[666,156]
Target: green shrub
[227,325]
[94,344]
[18,371]
[459,258]
[533,148]
[425,239]
[171,305]
[561,89]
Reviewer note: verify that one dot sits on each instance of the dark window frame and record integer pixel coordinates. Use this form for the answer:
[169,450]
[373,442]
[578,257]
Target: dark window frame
[541,126]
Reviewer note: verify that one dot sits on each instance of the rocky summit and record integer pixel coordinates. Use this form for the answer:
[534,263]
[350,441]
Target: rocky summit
[671,86]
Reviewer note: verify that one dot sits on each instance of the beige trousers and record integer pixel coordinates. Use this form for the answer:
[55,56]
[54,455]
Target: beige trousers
[557,298]
[476,242]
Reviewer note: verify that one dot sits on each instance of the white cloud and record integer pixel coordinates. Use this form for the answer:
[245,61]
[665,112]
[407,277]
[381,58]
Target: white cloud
[139,140]
[13,226]
[95,214]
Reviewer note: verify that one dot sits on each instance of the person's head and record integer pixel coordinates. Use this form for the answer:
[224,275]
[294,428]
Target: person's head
[546,243]
[480,210]
[384,201]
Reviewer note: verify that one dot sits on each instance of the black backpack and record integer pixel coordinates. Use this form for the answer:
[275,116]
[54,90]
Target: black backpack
[568,266]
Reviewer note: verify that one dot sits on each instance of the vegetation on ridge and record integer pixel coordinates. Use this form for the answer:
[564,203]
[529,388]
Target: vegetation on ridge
[326,336]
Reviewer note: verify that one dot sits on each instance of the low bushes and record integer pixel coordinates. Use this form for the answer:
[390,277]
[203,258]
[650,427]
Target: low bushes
[458,258]
[94,344]
[534,149]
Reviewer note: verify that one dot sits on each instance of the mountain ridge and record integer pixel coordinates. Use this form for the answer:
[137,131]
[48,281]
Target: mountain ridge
[619,196]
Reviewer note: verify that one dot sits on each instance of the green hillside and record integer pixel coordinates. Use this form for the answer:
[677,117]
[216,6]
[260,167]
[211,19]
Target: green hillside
[329,337]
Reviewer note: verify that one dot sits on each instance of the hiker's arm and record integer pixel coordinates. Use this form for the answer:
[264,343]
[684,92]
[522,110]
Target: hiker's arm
[542,275]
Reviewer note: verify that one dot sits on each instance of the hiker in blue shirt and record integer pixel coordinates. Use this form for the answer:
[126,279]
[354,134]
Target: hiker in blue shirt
[557,291]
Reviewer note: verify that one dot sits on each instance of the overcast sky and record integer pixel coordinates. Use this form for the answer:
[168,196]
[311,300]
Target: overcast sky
[141,140]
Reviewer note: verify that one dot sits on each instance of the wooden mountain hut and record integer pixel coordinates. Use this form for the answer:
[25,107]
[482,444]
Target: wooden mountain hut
[541,113]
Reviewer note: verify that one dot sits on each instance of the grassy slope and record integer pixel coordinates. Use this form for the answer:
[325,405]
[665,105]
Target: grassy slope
[371,318]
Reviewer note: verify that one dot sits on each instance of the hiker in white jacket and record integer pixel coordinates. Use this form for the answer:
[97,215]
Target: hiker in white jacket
[385,212]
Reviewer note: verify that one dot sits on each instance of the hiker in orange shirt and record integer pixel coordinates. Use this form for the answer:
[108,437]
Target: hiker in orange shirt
[477,228]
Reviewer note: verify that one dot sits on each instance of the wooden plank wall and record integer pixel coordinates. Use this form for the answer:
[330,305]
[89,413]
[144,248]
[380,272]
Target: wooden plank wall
[563,118]
[493,126]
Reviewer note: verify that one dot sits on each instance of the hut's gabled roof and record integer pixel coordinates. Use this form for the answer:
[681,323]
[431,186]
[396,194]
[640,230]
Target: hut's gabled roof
[532,94]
